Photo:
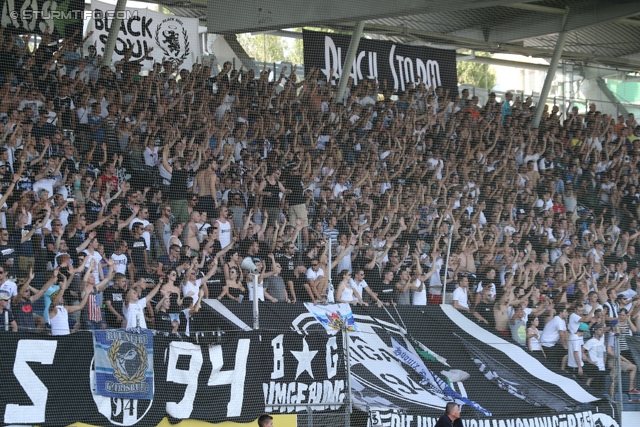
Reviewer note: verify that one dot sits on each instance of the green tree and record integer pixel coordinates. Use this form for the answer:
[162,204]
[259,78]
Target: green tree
[472,73]
[263,47]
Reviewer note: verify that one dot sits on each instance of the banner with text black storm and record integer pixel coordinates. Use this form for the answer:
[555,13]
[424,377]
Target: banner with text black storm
[398,64]
[60,19]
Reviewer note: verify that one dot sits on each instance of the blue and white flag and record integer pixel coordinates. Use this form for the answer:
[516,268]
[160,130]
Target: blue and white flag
[123,363]
[432,380]
[334,317]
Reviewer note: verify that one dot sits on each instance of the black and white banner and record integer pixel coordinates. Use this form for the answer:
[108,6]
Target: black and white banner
[147,33]
[398,64]
[58,18]
[292,361]
[49,381]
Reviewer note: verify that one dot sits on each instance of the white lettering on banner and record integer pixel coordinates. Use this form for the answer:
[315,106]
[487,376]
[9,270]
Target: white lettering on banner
[121,412]
[39,351]
[404,69]
[333,59]
[577,419]
[278,357]
[278,395]
[234,377]
[30,15]
[428,73]
[332,357]
[189,377]
[135,26]
[148,34]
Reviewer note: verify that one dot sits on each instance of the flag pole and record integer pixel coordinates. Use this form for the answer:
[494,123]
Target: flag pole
[446,265]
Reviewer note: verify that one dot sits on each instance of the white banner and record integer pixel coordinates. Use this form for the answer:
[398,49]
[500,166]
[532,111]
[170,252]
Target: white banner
[147,33]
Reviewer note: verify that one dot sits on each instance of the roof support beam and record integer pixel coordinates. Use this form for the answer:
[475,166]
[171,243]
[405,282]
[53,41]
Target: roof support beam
[602,85]
[260,15]
[551,74]
[348,60]
[559,11]
[582,16]
[493,47]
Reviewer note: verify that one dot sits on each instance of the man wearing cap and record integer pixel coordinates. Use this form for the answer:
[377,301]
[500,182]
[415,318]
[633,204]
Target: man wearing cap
[576,341]
[6,317]
[594,357]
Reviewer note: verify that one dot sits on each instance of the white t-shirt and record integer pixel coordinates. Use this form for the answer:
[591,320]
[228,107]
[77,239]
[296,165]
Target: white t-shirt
[314,274]
[193,287]
[551,333]
[419,298]
[574,322]
[575,344]
[120,263]
[595,348]
[460,295]
[98,258]
[358,286]
[135,314]
[11,288]
[260,291]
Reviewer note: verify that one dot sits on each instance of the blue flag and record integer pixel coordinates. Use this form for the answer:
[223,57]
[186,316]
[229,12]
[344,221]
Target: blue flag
[408,358]
[124,363]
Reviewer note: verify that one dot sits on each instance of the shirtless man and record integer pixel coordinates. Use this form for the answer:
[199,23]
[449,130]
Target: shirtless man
[206,184]
[501,307]
[192,232]
[465,257]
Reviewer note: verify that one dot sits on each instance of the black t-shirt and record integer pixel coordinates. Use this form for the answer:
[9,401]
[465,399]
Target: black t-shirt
[92,209]
[288,266]
[116,296]
[7,252]
[23,313]
[73,242]
[137,246]
[631,203]
[178,186]
[293,182]
[107,236]
[11,319]
[163,322]
[372,276]
[63,109]
[385,291]
[486,310]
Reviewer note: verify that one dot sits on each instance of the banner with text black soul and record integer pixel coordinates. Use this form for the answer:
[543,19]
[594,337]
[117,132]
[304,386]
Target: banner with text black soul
[61,19]
[398,64]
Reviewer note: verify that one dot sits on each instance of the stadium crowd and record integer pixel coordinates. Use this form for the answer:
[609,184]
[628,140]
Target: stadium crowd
[127,199]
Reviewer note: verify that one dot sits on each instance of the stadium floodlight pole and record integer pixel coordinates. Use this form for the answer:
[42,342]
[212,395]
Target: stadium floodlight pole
[446,264]
[113,32]
[256,314]
[348,61]
[551,72]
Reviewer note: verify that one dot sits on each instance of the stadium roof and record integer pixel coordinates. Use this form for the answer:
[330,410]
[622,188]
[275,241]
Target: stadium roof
[601,32]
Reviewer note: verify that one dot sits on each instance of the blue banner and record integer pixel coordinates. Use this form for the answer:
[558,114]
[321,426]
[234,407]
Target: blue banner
[124,363]
[414,362]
